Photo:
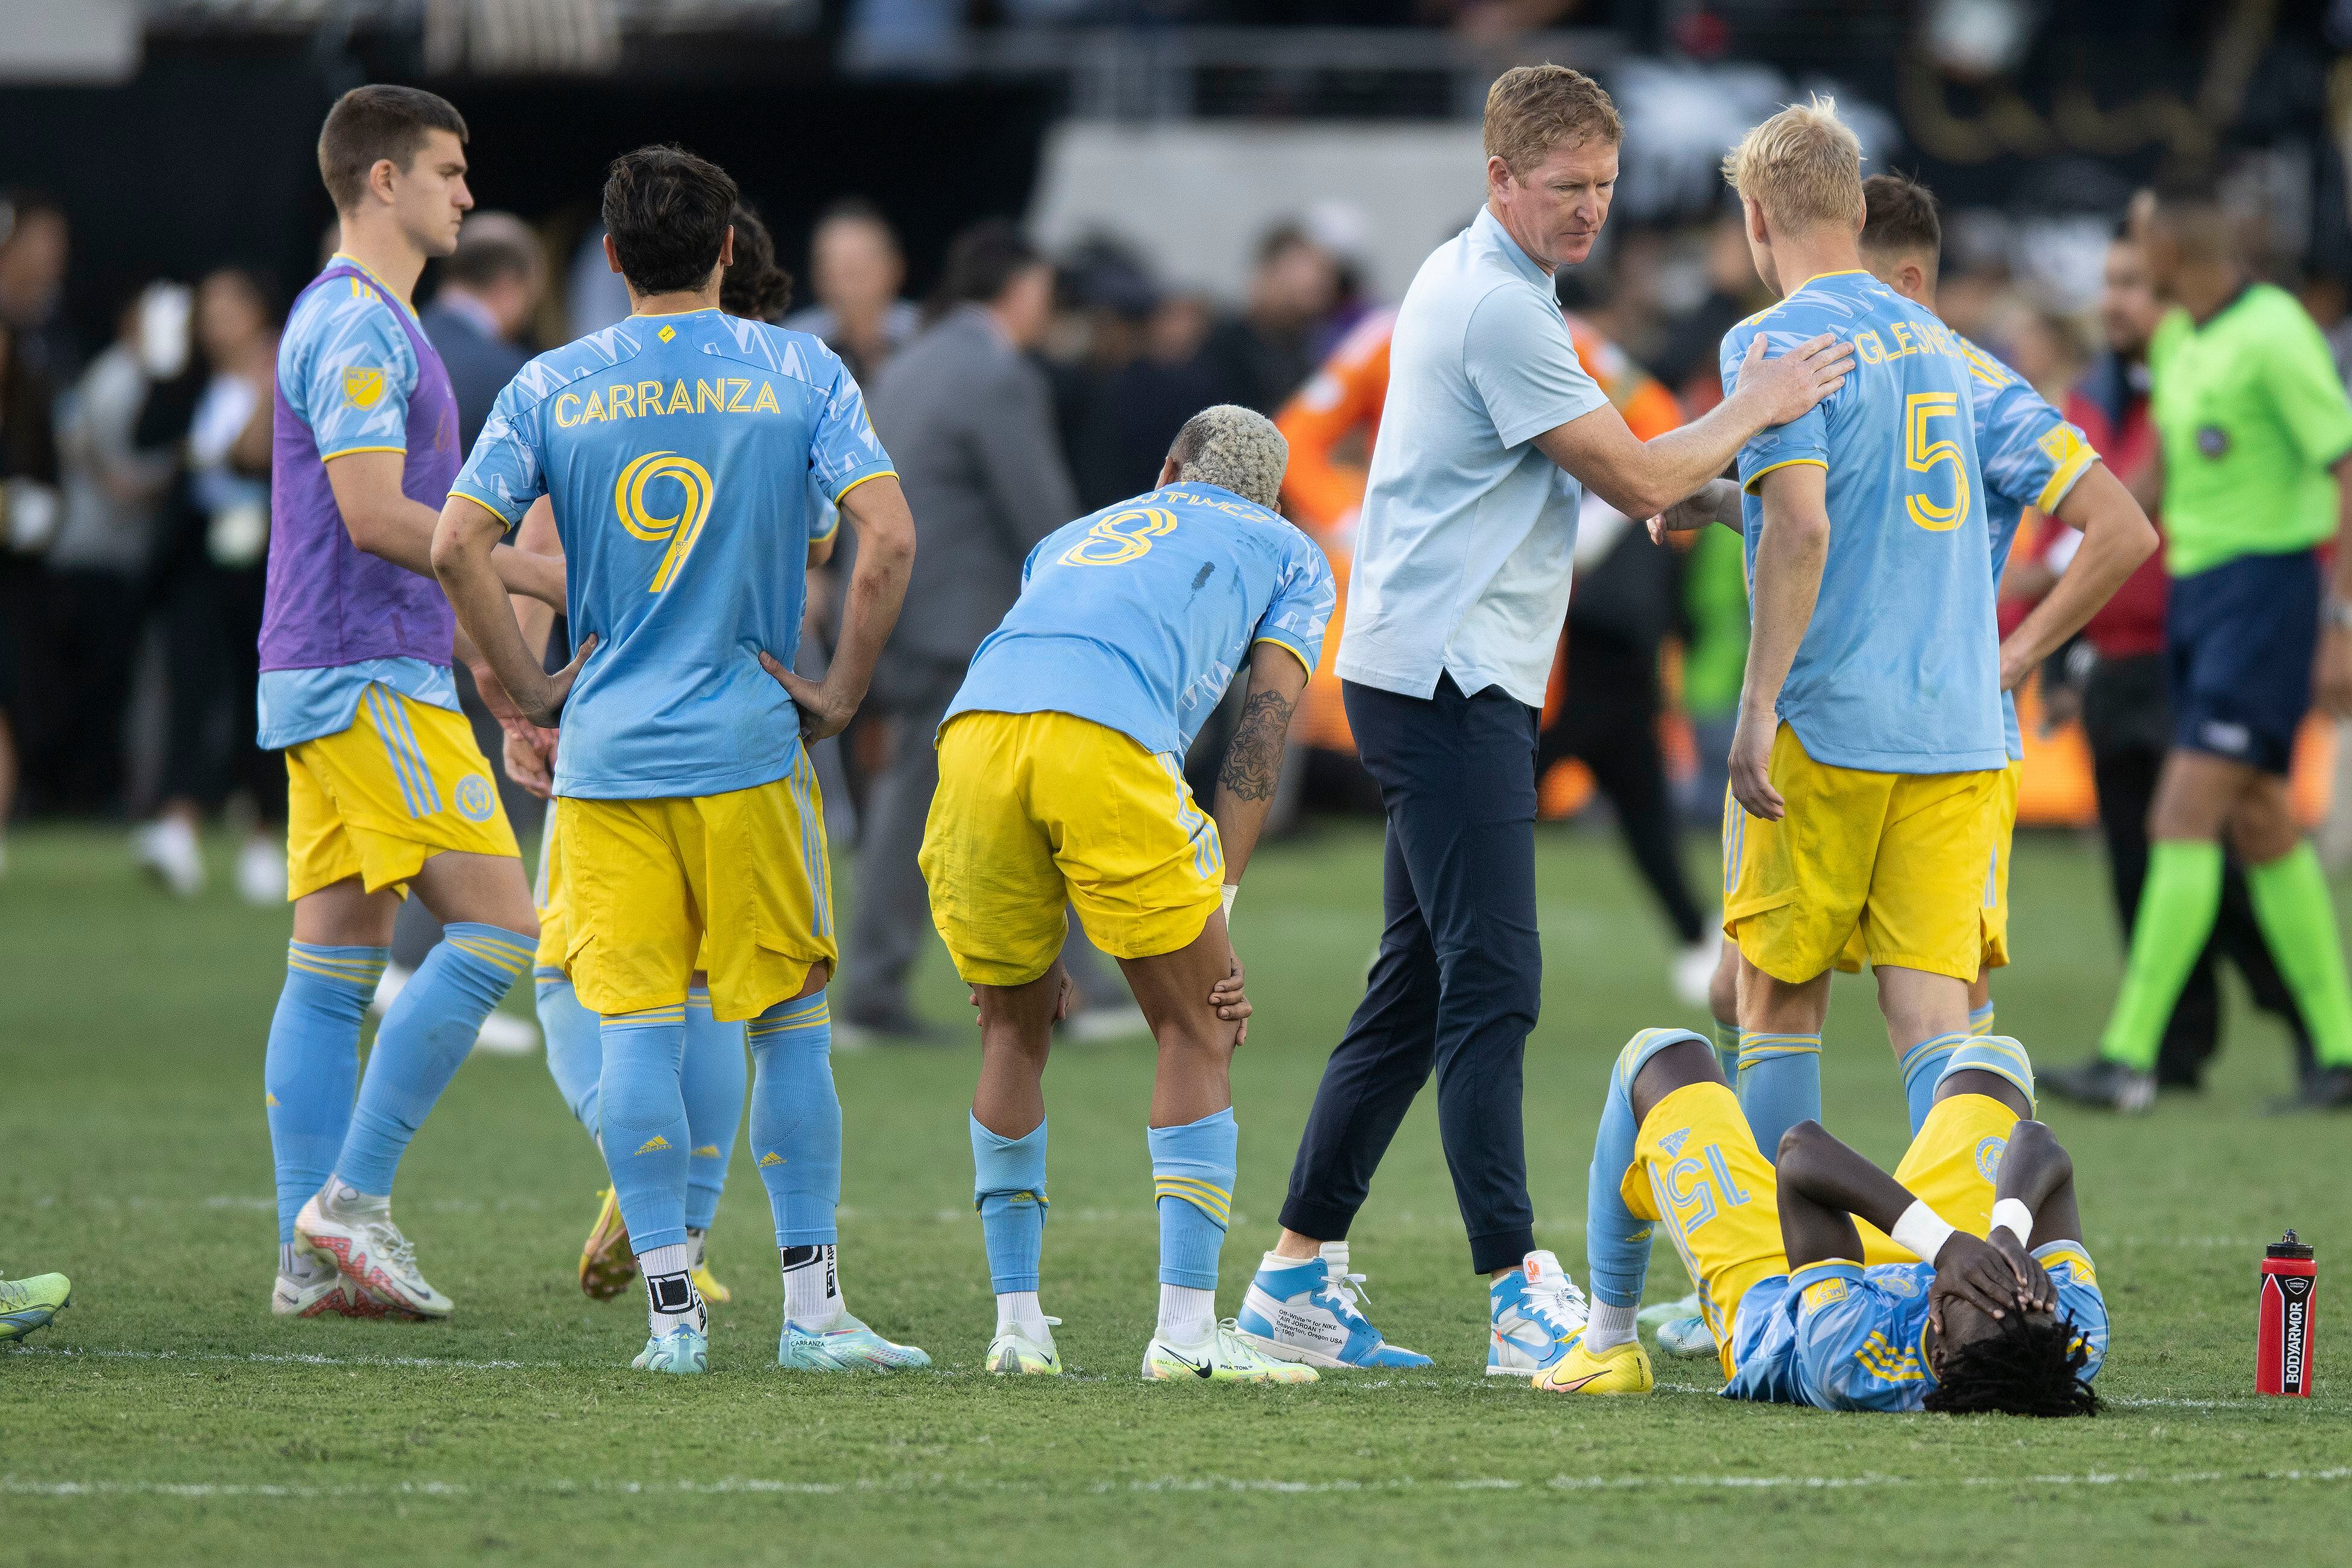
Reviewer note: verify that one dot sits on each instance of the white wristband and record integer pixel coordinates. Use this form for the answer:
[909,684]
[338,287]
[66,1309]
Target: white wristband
[1227,893]
[1921,1231]
[2013,1215]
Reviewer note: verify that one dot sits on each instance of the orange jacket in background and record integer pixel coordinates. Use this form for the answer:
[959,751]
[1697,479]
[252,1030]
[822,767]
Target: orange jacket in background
[1331,424]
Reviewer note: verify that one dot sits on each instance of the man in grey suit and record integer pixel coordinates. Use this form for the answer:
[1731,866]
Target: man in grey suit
[968,419]
[489,287]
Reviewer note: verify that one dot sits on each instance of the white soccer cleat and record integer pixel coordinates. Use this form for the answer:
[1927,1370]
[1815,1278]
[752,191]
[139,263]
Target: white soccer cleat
[1223,1357]
[1537,1317]
[327,1295]
[1694,969]
[1015,1354]
[369,1251]
[504,1035]
[167,848]
[261,872]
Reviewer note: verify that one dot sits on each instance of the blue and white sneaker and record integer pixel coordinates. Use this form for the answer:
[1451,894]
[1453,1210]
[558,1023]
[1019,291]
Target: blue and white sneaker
[848,1346]
[682,1351]
[1539,1316]
[1306,1310]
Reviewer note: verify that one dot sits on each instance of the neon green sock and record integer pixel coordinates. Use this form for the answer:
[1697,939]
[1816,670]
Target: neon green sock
[2298,921]
[2177,909]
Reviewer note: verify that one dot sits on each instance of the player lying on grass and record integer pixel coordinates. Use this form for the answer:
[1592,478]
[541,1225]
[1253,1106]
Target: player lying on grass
[1810,1268]
[710,1074]
[678,448]
[1062,783]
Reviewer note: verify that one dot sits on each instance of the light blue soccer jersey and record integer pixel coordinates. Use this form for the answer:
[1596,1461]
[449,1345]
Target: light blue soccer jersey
[1138,616]
[1899,670]
[679,450]
[1838,1336]
[2032,457]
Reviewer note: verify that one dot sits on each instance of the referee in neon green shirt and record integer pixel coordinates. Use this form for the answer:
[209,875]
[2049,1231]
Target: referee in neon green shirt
[2255,439]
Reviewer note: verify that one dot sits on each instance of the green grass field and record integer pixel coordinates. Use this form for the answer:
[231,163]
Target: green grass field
[168,1418]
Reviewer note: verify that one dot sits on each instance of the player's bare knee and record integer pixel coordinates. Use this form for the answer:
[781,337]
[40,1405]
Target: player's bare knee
[1797,1144]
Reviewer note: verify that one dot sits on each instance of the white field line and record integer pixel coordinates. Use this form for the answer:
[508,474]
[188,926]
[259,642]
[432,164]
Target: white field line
[918,1483]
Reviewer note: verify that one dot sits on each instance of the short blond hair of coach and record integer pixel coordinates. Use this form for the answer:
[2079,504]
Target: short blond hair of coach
[1491,434]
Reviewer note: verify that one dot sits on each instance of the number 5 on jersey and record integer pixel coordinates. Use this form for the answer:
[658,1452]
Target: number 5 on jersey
[1922,455]
[682,528]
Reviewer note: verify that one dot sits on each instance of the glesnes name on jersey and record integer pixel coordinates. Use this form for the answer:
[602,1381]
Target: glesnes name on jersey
[726,394]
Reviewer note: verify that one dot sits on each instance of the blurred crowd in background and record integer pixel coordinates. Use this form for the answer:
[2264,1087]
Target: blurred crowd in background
[134,462]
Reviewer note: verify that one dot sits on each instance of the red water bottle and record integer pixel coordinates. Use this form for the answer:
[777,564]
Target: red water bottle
[2290,1286]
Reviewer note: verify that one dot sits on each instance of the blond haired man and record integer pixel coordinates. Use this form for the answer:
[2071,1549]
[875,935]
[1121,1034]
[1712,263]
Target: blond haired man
[1491,433]
[1870,749]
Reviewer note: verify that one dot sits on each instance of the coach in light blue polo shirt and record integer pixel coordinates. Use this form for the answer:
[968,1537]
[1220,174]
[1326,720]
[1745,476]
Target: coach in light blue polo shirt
[1490,435]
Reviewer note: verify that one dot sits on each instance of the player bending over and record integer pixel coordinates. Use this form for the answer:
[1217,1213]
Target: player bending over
[710,1072]
[677,447]
[1810,1267]
[1062,781]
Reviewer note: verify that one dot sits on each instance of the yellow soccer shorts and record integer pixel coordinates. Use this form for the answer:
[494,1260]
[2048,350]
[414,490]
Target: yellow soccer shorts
[1901,860]
[739,885]
[1953,1166]
[1996,889]
[1039,811]
[554,925]
[403,782]
[1697,1171]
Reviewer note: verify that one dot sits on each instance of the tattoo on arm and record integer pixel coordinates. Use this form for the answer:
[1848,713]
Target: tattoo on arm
[1254,760]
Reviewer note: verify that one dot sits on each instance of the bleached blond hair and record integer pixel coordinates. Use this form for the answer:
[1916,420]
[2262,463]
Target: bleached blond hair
[1234,448]
[1803,167]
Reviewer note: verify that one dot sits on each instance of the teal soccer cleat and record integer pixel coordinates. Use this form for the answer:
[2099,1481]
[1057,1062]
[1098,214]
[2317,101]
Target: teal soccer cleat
[682,1352]
[848,1346]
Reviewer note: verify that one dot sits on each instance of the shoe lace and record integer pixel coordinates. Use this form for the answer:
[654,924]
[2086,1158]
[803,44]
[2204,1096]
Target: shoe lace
[393,1250]
[1346,1294]
[1555,1298]
[13,1294]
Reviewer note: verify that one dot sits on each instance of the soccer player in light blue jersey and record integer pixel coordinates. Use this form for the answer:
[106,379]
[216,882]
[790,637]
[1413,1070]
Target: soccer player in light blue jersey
[1959,1283]
[677,447]
[1062,783]
[1869,755]
[388,793]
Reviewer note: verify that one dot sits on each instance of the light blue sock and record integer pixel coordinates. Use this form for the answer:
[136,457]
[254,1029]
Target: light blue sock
[575,1056]
[1726,1050]
[1923,1069]
[1008,1188]
[2000,1054]
[1780,1084]
[1193,1182]
[1980,1019]
[422,1041]
[644,1111]
[796,1119]
[713,1081]
[1616,1245]
[313,1066]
